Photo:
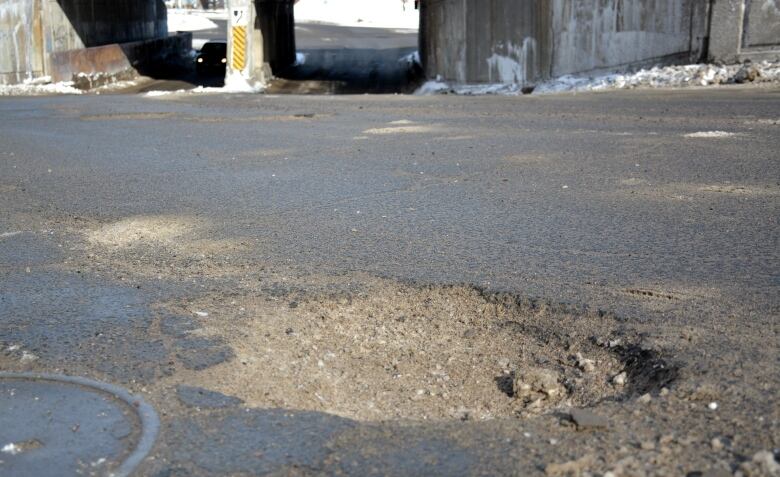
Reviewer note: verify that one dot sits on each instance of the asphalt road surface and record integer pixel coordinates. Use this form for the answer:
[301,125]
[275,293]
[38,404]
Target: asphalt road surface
[406,285]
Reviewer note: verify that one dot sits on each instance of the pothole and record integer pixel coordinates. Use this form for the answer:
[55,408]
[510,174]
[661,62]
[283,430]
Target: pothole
[441,352]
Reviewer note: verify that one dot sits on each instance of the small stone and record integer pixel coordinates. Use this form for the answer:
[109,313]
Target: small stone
[620,379]
[717,444]
[586,420]
[748,73]
[585,364]
[717,472]
[538,384]
[713,406]
[574,467]
[663,392]
[763,463]
[645,398]
[647,445]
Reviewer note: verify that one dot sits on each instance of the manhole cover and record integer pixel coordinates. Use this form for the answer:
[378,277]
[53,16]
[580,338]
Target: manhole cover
[60,425]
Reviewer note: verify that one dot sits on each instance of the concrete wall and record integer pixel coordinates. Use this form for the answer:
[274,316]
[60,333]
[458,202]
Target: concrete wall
[762,22]
[593,35]
[745,30]
[100,22]
[32,31]
[525,41]
[158,55]
[512,49]
[21,45]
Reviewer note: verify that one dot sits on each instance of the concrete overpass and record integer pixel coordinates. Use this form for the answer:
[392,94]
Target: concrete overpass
[504,41]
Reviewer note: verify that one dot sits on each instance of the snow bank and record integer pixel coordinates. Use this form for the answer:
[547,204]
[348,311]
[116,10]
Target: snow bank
[233,84]
[39,86]
[669,76]
[657,77]
[180,21]
[396,14]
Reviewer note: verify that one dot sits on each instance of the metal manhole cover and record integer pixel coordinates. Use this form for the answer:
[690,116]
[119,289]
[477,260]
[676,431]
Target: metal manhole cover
[54,425]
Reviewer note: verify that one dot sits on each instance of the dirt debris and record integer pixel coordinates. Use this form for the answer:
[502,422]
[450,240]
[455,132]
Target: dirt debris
[395,351]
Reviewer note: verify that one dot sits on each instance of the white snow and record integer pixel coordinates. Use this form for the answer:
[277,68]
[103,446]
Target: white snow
[710,134]
[396,14]
[181,21]
[441,87]
[234,83]
[300,59]
[11,448]
[37,87]
[411,59]
[197,43]
[657,77]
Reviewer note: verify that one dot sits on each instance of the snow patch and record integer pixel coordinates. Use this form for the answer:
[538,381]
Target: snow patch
[300,59]
[411,59]
[153,94]
[507,77]
[441,87]
[39,86]
[179,21]
[11,448]
[710,134]
[402,129]
[234,83]
[197,43]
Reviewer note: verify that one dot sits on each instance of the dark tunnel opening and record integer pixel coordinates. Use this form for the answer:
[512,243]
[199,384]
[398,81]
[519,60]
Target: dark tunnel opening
[348,57]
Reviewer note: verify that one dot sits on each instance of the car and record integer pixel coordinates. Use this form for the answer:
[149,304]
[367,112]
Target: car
[212,58]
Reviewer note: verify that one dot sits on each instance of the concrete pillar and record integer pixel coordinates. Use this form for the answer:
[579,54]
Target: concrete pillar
[275,18]
[246,63]
[728,18]
[742,30]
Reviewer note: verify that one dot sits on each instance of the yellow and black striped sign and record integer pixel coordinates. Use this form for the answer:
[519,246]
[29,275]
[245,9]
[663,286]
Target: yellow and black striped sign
[239,48]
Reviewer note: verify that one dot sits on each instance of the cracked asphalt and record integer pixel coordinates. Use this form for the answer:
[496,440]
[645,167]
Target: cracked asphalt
[156,242]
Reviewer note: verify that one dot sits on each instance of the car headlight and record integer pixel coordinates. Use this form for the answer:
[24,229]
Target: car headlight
[200,60]
[224,60]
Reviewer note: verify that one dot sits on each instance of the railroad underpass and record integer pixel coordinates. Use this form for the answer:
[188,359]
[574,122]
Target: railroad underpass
[499,41]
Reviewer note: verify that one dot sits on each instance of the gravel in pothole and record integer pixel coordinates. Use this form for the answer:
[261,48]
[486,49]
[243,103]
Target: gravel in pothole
[402,352]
